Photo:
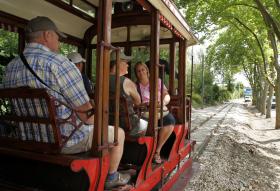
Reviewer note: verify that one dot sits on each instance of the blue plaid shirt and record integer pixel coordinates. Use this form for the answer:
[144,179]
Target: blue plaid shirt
[58,73]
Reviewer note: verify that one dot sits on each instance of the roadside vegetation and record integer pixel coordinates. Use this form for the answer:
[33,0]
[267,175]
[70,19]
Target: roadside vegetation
[207,90]
[9,48]
[244,36]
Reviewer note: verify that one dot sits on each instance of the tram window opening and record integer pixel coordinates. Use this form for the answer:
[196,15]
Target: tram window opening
[93,66]
[9,43]
[94,40]
[142,54]
[176,81]
[65,48]
[189,75]
[139,54]
[164,60]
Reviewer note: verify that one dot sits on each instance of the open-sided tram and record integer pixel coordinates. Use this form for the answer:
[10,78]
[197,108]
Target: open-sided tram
[144,29]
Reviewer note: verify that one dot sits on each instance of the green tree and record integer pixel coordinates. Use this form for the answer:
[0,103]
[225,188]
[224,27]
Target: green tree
[65,48]
[8,43]
[8,49]
[257,21]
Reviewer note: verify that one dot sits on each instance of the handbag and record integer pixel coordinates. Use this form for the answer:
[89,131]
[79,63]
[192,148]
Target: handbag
[164,113]
[145,114]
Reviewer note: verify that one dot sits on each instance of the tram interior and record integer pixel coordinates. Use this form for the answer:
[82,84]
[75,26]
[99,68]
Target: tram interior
[131,31]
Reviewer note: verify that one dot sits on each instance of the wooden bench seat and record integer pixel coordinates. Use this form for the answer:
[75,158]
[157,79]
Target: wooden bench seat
[29,114]
[31,143]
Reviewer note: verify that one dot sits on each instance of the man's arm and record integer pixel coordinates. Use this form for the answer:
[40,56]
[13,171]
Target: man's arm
[83,115]
[70,82]
[130,89]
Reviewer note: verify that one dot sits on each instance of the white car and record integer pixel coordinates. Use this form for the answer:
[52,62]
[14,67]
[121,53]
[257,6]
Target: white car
[273,102]
[247,99]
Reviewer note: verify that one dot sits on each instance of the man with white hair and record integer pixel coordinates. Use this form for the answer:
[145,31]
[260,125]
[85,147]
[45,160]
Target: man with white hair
[79,61]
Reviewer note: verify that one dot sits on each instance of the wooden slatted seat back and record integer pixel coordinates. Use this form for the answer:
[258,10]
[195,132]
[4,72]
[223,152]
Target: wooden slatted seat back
[28,120]
[124,106]
[123,114]
[174,107]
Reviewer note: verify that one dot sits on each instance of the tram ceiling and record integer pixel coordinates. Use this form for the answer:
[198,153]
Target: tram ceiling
[133,27]
[137,34]
[58,10]
[33,8]
[167,9]
[96,2]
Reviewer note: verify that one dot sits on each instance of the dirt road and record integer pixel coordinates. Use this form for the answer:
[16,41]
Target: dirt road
[243,152]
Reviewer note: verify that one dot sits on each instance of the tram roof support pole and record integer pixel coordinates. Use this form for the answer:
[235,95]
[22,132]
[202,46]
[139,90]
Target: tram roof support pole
[154,60]
[172,61]
[182,79]
[100,137]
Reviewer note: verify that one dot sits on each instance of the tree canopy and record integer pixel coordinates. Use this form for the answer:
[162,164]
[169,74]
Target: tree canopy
[246,37]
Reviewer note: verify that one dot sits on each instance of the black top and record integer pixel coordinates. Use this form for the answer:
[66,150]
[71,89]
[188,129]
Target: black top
[87,84]
[133,117]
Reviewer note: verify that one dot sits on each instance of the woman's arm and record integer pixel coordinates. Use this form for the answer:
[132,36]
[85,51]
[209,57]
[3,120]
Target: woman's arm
[131,89]
[166,97]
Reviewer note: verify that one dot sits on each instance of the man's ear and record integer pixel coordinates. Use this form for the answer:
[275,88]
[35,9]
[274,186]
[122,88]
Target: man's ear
[46,35]
[80,65]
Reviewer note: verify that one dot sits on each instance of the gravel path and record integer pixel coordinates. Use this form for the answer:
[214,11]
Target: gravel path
[243,154]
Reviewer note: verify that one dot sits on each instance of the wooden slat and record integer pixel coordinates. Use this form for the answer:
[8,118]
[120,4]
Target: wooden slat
[25,119]
[64,160]
[29,145]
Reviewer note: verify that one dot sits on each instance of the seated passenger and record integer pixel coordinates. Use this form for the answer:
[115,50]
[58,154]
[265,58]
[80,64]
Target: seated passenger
[142,74]
[79,61]
[129,92]
[62,80]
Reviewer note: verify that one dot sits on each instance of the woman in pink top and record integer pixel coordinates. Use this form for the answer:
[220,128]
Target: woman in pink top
[142,74]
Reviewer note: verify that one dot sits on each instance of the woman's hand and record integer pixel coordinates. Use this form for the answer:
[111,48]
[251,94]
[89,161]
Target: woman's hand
[142,106]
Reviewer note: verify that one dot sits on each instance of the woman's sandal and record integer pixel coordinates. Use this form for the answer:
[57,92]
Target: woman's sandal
[157,158]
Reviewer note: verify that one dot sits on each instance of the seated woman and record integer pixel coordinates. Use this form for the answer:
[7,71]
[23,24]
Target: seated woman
[142,74]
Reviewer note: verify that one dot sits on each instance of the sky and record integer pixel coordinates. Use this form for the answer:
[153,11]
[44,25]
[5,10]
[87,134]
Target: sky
[200,49]
[240,77]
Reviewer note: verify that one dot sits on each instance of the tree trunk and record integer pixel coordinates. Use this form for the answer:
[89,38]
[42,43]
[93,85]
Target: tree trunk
[263,97]
[273,44]
[259,101]
[268,102]
[277,99]
[254,93]
[269,20]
